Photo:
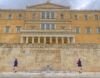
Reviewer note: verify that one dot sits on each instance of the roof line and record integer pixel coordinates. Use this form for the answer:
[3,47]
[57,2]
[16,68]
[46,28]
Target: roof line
[47,3]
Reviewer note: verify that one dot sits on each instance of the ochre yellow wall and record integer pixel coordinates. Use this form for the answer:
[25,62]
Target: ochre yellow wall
[38,17]
[12,23]
[66,15]
[58,26]
[37,26]
[87,38]
[10,38]
[29,15]
[82,37]
[14,14]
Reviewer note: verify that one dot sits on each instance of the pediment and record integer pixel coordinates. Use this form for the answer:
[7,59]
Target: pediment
[47,5]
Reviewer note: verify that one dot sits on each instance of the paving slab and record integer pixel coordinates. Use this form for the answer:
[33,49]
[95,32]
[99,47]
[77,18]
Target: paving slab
[49,75]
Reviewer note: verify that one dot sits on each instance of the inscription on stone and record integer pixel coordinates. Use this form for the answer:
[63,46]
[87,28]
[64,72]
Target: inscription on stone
[48,56]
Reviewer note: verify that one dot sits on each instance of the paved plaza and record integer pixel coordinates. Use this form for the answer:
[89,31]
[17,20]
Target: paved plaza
[52,74]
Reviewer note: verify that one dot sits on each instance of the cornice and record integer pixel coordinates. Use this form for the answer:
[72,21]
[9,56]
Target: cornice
[42,9]
[85,10]
[12,9]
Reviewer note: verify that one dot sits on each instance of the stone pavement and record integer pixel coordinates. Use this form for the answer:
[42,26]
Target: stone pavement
[53,74]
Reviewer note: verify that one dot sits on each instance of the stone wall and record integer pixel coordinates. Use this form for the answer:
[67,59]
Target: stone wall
[61,57]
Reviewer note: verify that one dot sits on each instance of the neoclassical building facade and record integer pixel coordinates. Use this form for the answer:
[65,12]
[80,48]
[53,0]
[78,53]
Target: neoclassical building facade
[49,23]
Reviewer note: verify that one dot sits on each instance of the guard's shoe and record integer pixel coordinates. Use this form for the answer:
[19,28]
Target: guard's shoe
[15,71]
[80,72]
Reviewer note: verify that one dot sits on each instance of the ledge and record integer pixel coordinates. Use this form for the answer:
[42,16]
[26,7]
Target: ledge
[51,46]
[47,30]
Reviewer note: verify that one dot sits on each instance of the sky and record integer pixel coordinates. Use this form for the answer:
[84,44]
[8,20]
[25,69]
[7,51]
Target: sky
[74,4]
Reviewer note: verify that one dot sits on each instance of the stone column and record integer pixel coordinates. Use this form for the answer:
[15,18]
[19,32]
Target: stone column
[68,40]
[26,39]
[38,39]
[73,39]
[62,39]
[56,39]
[32,39]
[21,40]
[44,39]
[50,39]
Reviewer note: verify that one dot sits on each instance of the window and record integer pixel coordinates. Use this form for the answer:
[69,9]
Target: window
[32,27]
[17,29]
[52,15]
[62,27]
[77,30]
[98,30]
[62,16]
[7,29]
[88,30]
[47,26]
[42,26]
[75,17]
[48,15]
[43,15]
[33,16]
[96,17]
[9,16]
[20,16]
[0,15]
[53,26]
[86,17]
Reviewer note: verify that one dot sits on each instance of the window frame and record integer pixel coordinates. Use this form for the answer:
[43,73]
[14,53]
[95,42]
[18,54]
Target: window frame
[54,26]
[41,27]
[89,30]
[47,28]
[76,15]
[78,31]
[47,15]
[6,29]
[87,17]
[97,30]
[52,15]
[97,15]
[34,16]
[16,29]
[51,26]
[42,17]
[61,16]
[9,17]
[19,16]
